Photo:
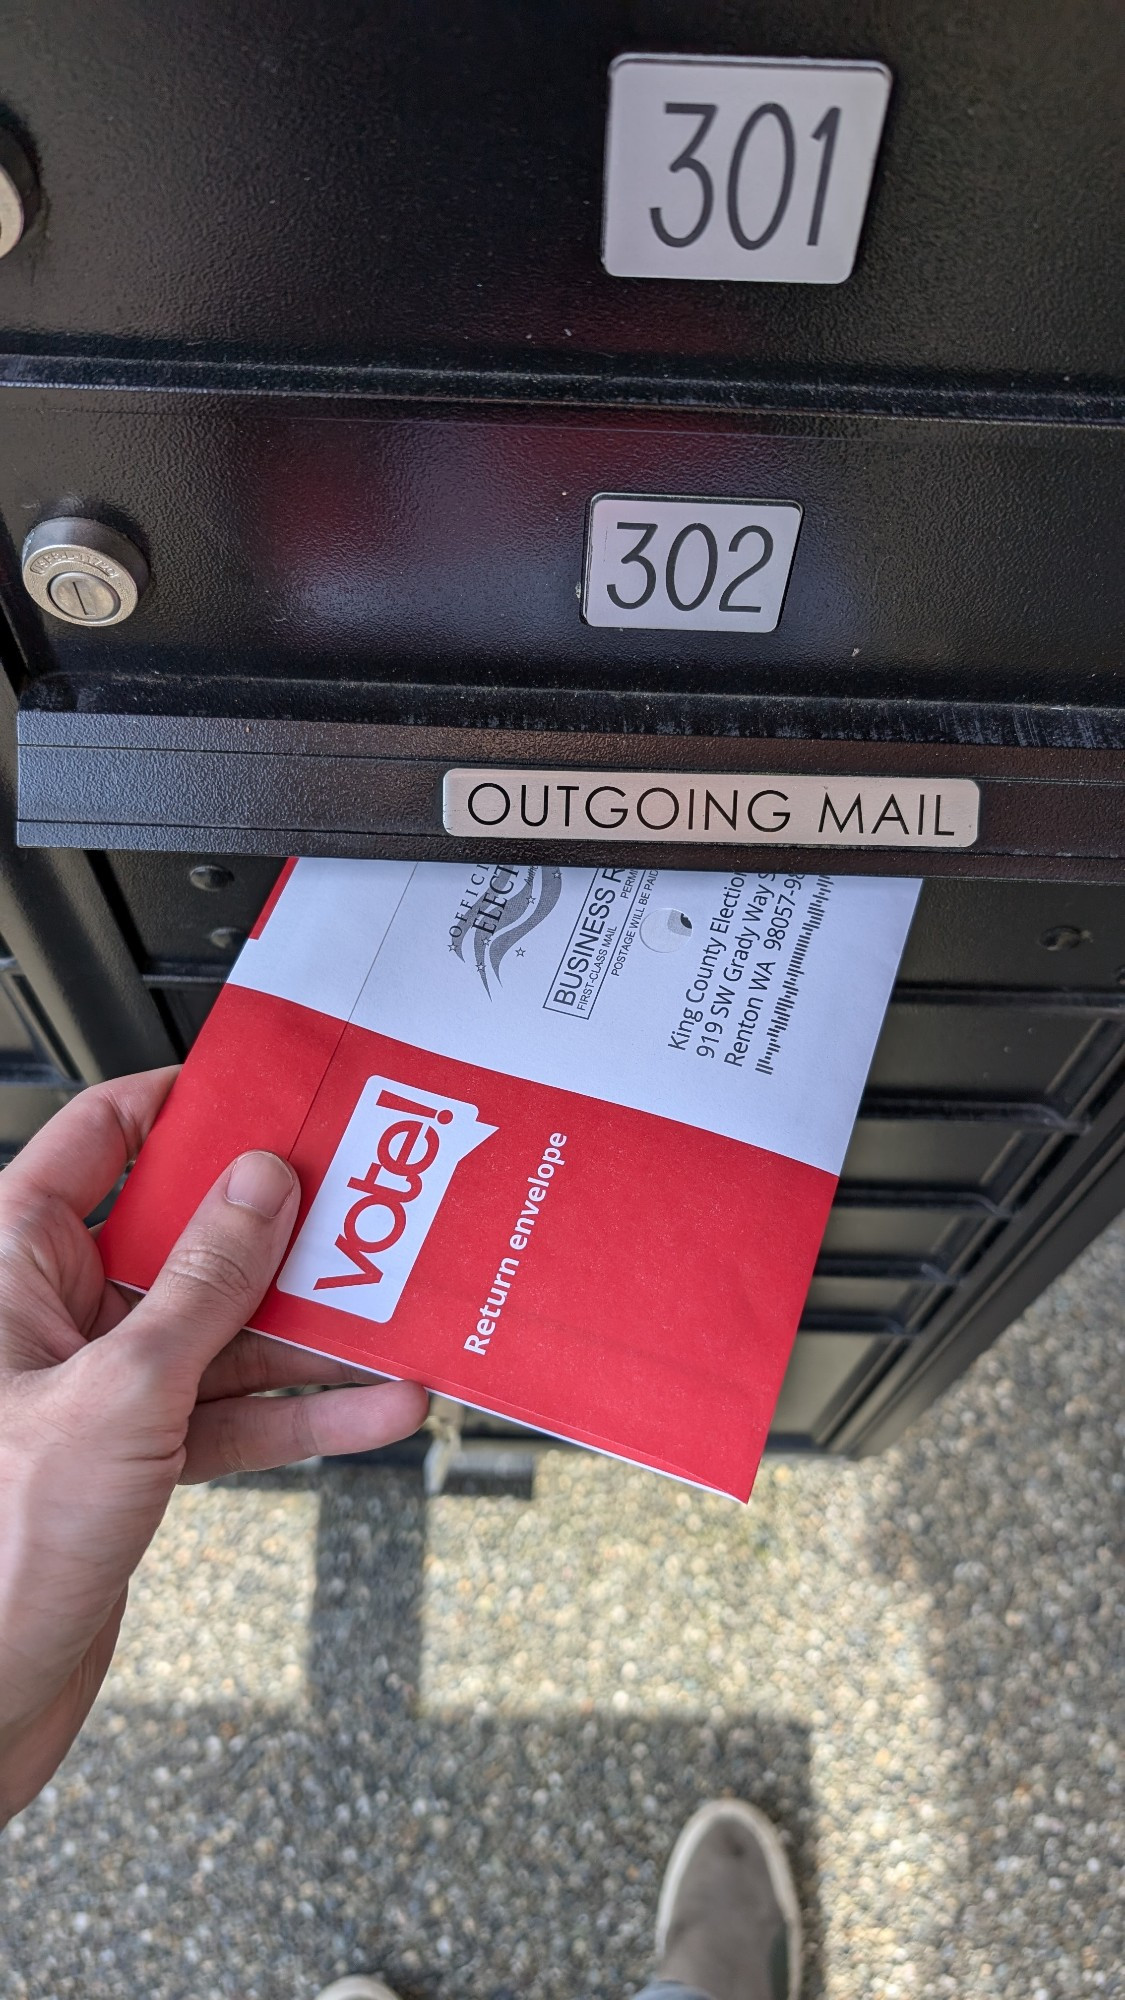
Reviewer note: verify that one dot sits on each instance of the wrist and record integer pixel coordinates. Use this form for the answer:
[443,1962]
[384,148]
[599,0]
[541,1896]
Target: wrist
[34,1741]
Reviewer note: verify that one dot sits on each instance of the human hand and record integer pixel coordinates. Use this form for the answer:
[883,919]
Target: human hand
[105,1403]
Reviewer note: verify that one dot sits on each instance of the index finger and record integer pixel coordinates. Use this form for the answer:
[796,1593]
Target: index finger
[85,1148]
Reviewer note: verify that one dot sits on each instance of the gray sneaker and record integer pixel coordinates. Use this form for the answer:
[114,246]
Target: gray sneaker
[357,1986]
[728,1924]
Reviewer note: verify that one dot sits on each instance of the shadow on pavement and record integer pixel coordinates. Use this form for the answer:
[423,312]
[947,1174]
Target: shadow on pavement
[256,1855]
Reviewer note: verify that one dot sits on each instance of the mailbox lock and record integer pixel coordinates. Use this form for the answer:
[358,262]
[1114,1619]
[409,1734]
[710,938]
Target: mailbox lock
[19,198]
[83,572]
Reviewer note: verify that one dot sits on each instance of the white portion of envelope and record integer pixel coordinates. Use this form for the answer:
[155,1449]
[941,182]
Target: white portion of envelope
[743,1003]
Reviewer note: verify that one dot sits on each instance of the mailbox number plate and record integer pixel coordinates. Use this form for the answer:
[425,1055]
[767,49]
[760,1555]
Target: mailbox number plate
[739,168]
[688,565]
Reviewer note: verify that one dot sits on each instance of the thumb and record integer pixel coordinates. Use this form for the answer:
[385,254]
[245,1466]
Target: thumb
[219,1270]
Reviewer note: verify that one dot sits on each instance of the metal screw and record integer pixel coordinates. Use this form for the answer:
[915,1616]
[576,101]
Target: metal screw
[1064,937]
[83,572]
[226,939]
[205,875]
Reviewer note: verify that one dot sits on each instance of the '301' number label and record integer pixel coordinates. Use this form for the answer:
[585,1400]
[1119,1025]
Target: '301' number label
[688,565]
[738,168]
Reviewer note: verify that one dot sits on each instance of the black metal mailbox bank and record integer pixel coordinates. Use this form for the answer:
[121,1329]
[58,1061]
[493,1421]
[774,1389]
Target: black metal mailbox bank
[420,423]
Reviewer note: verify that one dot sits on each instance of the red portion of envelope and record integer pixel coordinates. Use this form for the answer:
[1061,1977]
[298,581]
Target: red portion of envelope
[645,1305]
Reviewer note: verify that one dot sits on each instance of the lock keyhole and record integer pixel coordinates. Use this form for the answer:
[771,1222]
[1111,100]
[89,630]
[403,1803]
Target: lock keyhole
[84,597]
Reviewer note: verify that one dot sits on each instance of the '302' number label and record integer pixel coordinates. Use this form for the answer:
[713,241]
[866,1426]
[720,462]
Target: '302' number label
[688,565]
[739,169]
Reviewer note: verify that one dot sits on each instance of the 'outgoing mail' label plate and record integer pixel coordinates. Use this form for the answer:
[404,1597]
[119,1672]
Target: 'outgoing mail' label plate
[762,809]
